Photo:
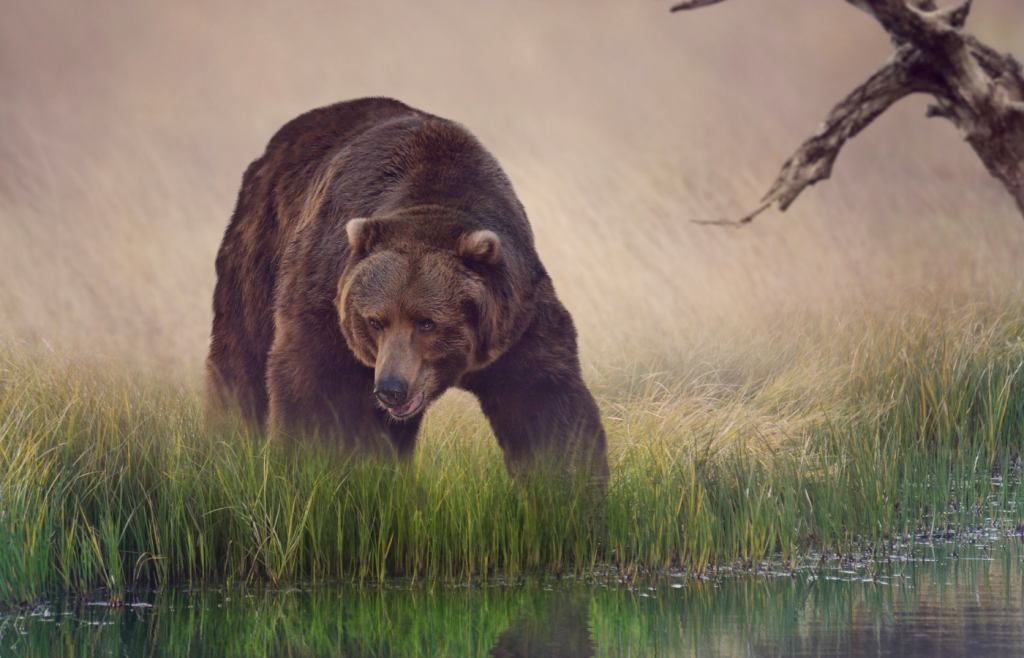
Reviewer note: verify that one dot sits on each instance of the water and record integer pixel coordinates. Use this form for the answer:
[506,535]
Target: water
[947,600]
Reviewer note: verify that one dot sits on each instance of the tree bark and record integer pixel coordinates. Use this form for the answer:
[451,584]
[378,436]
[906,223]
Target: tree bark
[975,87]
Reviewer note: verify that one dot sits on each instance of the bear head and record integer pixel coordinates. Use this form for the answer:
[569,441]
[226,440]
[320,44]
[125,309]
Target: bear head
[421,302]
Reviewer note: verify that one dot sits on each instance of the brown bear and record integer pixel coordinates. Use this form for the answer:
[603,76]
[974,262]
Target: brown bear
[378,256]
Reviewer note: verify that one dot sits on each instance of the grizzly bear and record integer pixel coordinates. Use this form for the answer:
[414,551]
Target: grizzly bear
[378,256]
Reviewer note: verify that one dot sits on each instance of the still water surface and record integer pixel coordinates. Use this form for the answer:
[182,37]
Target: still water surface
[948,600]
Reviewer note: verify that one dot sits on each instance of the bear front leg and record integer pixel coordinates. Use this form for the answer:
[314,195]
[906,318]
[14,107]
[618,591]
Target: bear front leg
[316,389]
[538,405]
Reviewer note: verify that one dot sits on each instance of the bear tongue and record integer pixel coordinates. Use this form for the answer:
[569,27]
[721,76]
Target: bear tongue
[406,408]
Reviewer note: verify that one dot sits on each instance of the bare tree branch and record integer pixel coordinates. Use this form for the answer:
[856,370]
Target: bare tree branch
[975,87]
[695,4]
[813,160]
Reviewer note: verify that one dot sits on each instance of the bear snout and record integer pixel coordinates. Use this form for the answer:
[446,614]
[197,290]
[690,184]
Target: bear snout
[391,391]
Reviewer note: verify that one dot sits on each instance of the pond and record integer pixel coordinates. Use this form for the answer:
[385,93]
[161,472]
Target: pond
[937,597]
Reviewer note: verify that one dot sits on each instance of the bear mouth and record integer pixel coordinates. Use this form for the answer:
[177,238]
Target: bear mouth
[409,408]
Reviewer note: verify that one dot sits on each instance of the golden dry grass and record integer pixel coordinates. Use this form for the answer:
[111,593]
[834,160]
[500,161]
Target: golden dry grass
[125,127]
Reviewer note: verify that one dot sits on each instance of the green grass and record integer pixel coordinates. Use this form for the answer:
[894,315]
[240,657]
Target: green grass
[829,434]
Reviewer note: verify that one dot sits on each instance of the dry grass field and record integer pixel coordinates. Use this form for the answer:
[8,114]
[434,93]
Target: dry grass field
[791,384]
[125,128]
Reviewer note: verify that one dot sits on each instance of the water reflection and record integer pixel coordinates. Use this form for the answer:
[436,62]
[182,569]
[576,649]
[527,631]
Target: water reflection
[938,604]
[558,625]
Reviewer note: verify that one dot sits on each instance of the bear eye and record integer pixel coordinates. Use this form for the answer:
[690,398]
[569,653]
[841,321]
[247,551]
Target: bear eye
[374,324]
[426,325]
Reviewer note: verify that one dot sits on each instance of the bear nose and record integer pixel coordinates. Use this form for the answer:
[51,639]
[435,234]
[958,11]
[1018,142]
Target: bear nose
[391,391]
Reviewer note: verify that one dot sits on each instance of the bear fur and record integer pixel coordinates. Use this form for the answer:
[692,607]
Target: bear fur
[376,257]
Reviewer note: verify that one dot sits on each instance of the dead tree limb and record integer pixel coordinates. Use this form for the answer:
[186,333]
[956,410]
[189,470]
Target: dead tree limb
[975,87]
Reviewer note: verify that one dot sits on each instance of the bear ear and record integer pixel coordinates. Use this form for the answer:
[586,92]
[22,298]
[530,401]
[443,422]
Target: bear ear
[362,233]
[480,247]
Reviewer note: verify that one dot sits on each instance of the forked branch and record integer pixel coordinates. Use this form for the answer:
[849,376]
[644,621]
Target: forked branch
[975,87]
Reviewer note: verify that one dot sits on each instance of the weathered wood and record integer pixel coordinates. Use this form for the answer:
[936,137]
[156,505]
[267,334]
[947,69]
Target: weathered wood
[978,89]
[694,4]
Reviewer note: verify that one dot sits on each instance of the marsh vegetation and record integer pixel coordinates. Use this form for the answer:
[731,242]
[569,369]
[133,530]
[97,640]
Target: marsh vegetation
[863,433]
[847,374]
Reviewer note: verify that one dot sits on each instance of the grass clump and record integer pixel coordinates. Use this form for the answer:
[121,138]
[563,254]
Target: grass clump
[868,429]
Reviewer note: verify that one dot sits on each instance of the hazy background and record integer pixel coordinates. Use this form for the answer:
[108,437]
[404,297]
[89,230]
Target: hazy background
[125,128]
